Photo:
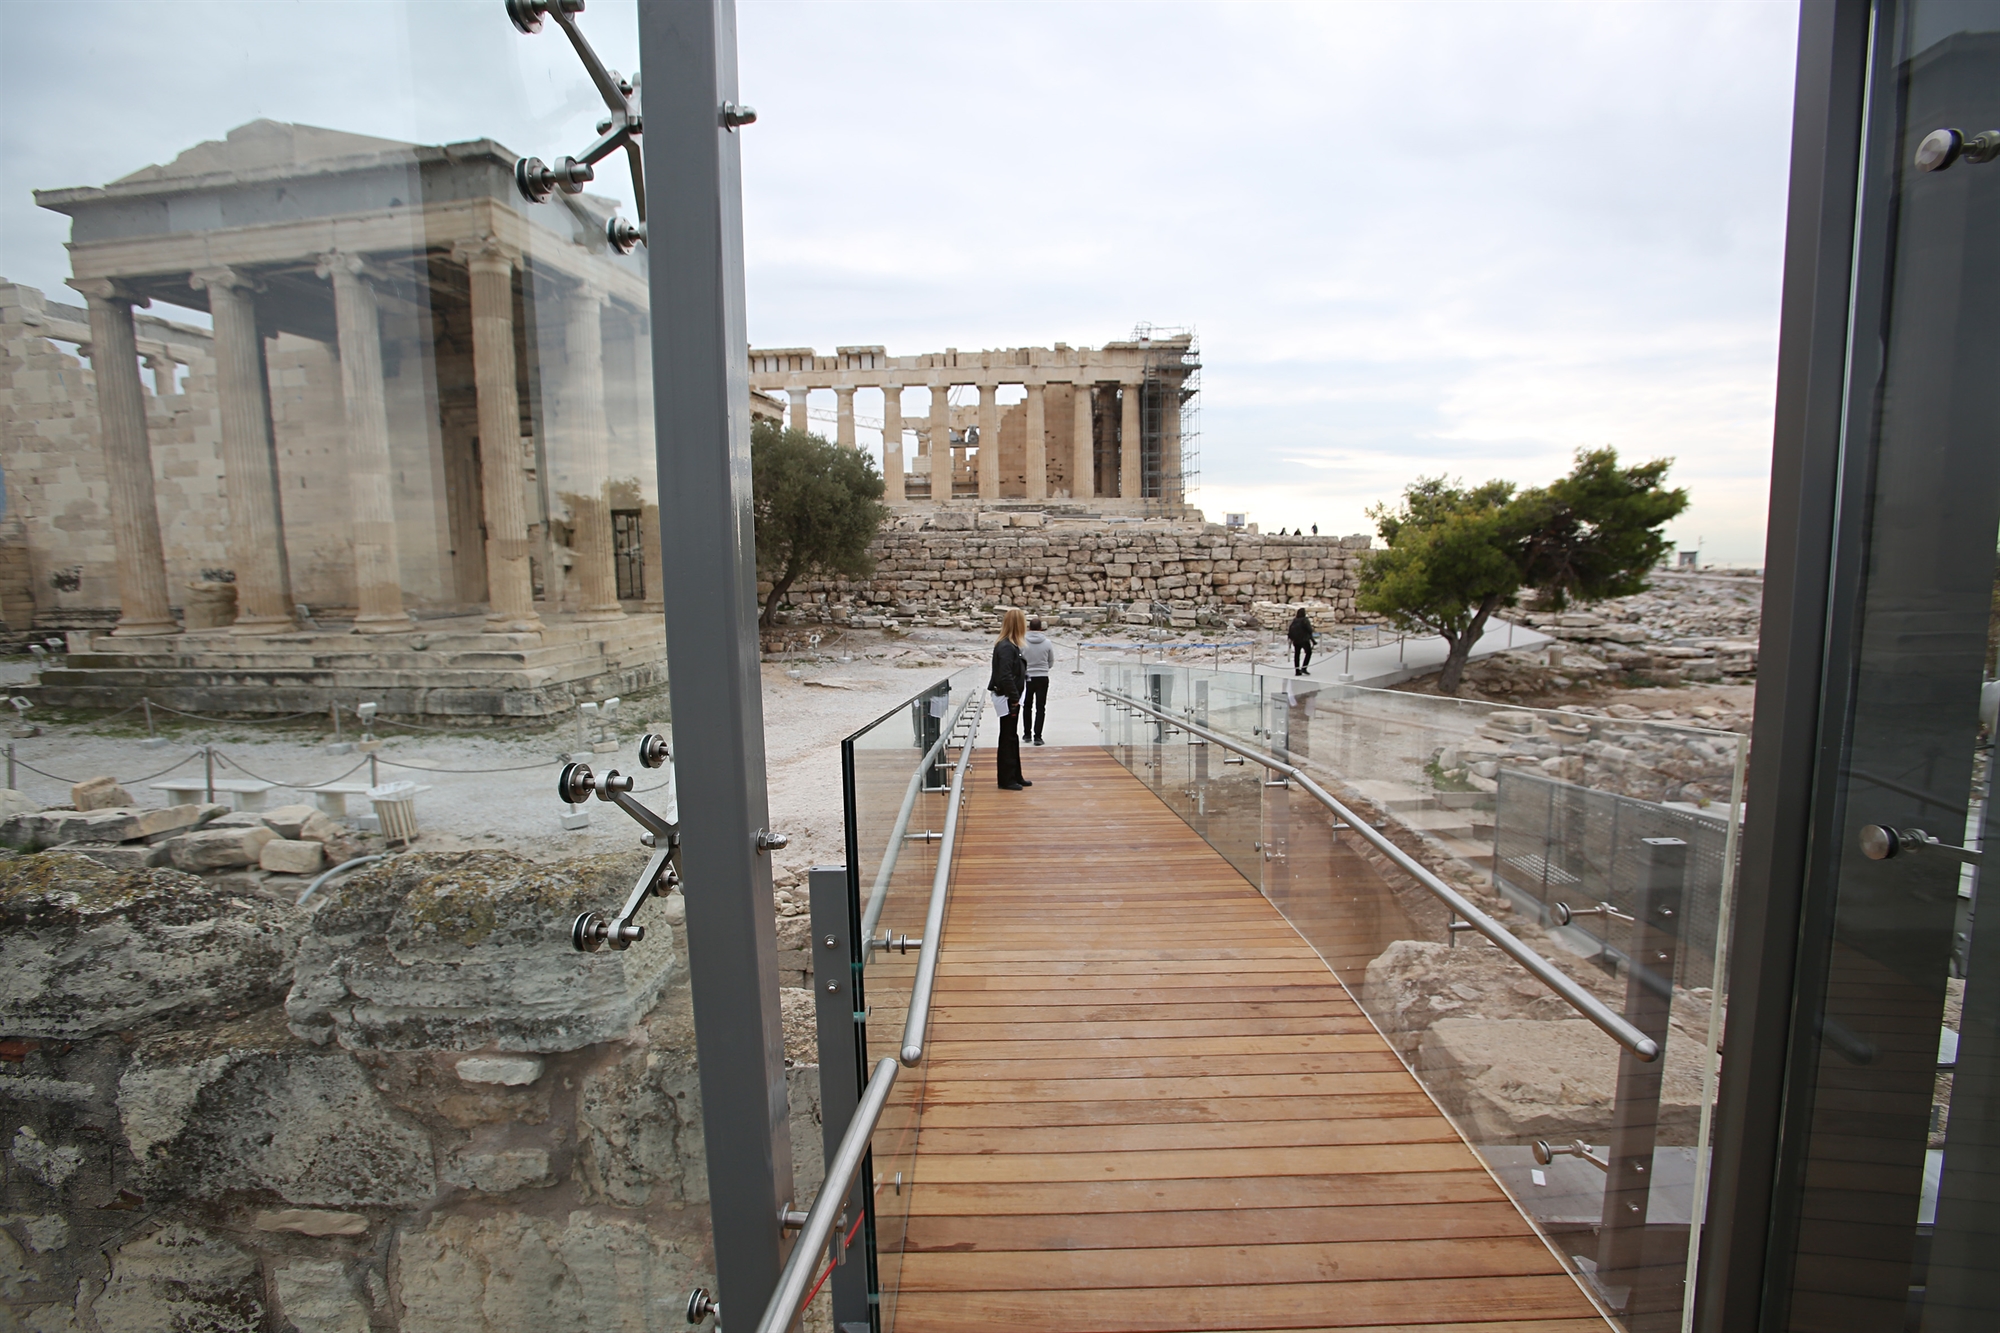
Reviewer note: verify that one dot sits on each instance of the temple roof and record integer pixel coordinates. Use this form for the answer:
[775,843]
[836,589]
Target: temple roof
[262,144]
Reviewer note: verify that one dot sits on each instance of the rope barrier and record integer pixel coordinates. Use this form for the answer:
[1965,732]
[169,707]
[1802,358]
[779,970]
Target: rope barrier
[517,768]
[53,777]
[299,786]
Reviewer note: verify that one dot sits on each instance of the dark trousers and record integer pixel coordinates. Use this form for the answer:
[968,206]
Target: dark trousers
[1034,708]
[1009,760]
[1302,657]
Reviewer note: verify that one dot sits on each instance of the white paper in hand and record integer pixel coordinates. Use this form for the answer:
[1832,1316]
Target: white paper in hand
[1000,705]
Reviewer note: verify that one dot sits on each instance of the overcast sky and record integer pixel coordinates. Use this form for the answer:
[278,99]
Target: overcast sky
[1414,239]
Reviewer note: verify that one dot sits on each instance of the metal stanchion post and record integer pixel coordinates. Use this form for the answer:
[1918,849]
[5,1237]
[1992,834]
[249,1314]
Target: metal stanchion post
[208,770]
[374,774]
[10,767]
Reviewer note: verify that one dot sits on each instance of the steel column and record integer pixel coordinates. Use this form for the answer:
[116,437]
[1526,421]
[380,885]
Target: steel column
[836,959]
[701,394]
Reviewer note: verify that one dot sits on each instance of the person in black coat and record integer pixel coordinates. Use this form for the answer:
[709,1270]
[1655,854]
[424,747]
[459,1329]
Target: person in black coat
[1300,632]
[1009,681]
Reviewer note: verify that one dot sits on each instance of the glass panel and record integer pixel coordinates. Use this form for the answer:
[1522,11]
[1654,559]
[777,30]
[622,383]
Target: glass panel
[897,772]
[311,405]
[1890,1219]
[1606,843]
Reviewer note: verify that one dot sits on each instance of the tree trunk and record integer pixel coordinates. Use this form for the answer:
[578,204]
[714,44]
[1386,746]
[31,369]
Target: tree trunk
[779,587]
[1461,648]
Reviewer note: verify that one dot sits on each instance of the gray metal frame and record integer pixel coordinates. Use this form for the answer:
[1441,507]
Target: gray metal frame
[701,397]
[836,1006]
[1786,743]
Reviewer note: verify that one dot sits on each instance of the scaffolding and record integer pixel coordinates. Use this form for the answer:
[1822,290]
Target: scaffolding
[1169,419]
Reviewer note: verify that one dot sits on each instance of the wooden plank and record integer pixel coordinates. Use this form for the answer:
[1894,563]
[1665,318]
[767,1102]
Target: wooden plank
[1148,1105]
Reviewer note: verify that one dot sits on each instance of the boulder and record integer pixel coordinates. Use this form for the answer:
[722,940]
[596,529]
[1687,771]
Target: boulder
[320,1296]
[100,793]
[172,818]
[313,1222]
[249,1107]
[42,829]
[320,827]
[511,1271]
[16,803]
[285,856]
[133,856]
[287,820]
[511,1071]
[86,949]
[180,1278]
[1514,1080]
[215,848]
[469,951]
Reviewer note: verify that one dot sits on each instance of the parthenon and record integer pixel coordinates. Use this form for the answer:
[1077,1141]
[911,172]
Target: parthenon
[1110,426]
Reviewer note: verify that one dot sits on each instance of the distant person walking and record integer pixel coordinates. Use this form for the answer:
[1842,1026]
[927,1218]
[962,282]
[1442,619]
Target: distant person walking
[1300,632]
[1041,655]
[1008,684]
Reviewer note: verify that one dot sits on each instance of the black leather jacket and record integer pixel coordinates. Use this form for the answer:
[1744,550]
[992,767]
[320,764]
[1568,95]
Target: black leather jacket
[1010,671]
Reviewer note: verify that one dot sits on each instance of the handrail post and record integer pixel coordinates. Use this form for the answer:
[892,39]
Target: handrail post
[927,960]
[837,995]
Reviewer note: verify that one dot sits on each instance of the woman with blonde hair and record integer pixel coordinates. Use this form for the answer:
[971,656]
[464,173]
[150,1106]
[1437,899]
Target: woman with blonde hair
[1007,683]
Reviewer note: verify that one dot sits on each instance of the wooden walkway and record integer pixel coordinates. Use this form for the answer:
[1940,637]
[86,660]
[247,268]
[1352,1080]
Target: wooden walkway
[1148,1105]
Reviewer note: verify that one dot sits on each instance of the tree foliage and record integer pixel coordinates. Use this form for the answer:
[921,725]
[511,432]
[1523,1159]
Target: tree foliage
[817,507]
[1456,556]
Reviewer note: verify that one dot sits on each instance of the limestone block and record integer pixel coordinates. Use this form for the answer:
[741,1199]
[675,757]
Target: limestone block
[499,1172]
[319,1296]
[100,793]
[510,1071]
[135,856]
[287,856]
[320,827]
[16,803]
[87,949]
[1512,1080]
[166,819]
[460,951]
[220,848]
[44,829]
[287,820]
[262,1111]
[180,1278]
[313,1222]
[512,1271]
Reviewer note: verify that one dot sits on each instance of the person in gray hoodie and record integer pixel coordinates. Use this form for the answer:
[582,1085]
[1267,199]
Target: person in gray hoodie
[1041,655]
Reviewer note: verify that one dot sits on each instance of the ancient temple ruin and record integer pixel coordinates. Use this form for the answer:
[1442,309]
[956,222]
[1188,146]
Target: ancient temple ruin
[421,414]
[1110,429]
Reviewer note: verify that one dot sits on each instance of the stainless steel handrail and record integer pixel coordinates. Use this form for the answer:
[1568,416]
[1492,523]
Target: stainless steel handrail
[793,1282]
[1581,1000]
[927,960]
[878,897]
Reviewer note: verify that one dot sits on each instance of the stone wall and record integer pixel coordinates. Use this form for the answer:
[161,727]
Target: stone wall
[1020,559]
[408,1107]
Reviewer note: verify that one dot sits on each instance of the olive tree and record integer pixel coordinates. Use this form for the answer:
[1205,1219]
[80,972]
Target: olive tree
[817,506]
[1455,556]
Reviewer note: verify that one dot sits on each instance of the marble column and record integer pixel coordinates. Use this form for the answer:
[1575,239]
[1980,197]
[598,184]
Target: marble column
[843,431]
[510,589]
[249,464]
[378,574]
[941,468]
[128,460]
[1038,445]
[1131,476]
[1170,443]
[892,443]
[989,441]
[164,370]
[798,419]
[1083,447]
[590,443]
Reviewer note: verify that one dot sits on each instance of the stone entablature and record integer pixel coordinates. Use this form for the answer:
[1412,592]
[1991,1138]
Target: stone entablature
[1107,425]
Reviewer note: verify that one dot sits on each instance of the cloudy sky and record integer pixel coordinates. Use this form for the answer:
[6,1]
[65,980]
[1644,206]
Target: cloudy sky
[1413,238]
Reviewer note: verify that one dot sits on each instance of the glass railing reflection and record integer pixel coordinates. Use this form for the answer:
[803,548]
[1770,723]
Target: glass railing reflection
[1605,843]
